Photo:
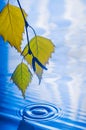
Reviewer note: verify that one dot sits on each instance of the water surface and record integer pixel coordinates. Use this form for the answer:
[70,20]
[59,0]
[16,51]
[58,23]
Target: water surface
[59,102]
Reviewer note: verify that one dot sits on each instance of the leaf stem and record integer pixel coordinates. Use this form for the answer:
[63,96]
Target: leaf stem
[34,34]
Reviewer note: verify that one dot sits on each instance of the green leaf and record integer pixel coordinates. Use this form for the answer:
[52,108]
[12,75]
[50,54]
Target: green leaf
[12,25]
[22,77]
[42,49]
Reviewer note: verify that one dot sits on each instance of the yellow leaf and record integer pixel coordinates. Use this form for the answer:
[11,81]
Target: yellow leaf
[42,49]
[12,25]
[22,77]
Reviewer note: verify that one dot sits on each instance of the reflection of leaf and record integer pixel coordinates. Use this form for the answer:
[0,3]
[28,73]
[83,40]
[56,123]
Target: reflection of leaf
[12,25]
[41,48]
[22,77]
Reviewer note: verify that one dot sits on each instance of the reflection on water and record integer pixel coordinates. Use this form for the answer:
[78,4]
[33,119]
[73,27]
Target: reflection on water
[63,85]
[23,125]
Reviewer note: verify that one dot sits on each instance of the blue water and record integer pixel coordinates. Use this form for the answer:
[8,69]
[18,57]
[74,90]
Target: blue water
[59,102]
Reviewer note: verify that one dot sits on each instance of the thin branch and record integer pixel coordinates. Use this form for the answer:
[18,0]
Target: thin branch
[26,26]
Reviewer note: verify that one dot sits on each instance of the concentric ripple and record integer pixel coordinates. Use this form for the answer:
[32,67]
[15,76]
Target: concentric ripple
[40,112]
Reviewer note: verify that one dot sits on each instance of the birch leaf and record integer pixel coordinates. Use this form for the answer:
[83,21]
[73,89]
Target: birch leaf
[42,49]
[22,77]
[12,25]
